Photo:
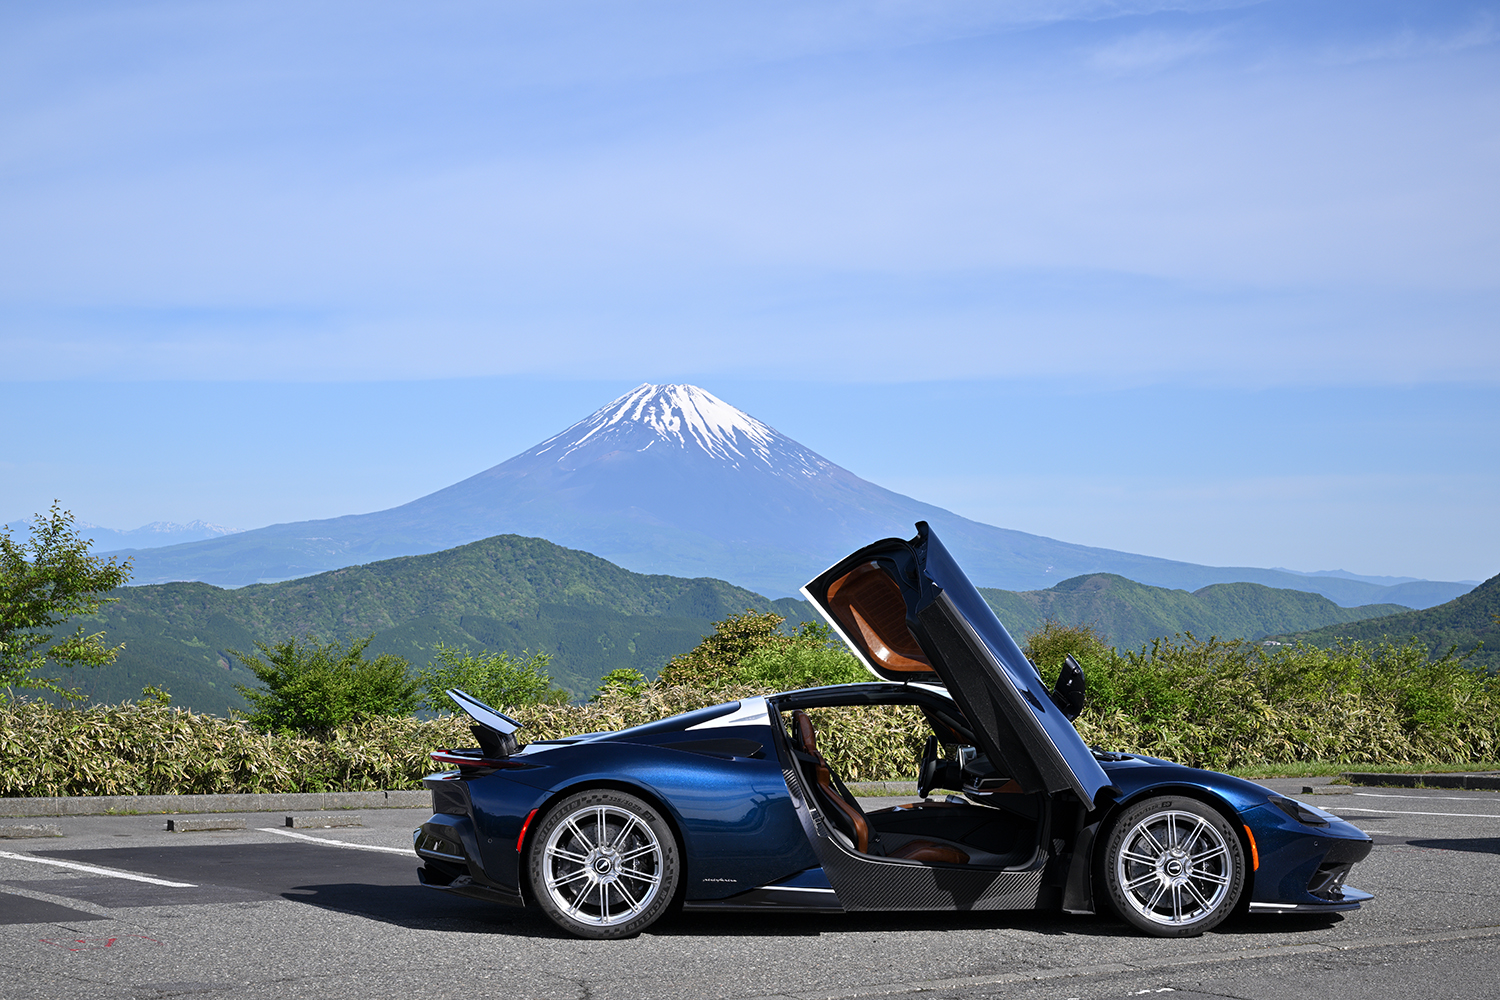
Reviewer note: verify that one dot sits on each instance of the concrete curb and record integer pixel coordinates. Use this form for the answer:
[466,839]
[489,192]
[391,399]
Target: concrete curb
[877,788]
[1488,781]
[104,805]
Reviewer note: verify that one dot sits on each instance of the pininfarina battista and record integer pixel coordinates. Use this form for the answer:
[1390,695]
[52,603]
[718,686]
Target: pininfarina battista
[734,807]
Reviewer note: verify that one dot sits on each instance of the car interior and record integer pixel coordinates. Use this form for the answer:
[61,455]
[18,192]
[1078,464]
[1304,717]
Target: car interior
[995,828]
[994,824]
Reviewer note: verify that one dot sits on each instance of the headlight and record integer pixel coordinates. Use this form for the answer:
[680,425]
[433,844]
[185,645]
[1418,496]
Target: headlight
[1302,813]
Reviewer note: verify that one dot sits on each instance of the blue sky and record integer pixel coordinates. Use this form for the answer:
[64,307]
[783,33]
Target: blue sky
[1215,281]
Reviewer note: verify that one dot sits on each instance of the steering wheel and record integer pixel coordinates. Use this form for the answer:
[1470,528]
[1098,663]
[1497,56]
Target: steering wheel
[927,773]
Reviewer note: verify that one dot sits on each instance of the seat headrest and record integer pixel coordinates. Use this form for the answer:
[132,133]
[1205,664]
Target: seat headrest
[805,735]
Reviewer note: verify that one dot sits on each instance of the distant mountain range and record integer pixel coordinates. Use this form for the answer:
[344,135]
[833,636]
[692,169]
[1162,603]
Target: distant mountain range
[1382,581]
[1130,614]
[672,480]
[1465,622]
[147,536]
[514,594]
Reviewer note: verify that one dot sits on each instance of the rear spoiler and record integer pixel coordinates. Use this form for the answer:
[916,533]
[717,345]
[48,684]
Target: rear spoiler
[495,731]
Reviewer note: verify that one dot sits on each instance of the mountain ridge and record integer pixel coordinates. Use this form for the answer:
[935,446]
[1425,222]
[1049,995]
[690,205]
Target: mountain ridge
[506,592]
[514,594]
[672,480]
[1462,623]
[1129,614]
[157,533]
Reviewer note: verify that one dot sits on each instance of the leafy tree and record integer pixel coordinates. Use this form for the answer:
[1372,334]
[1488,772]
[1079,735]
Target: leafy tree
[622,680]
[1050,645]
[497,679]
[801,665]
[752,648]
[312,687]
[43,583]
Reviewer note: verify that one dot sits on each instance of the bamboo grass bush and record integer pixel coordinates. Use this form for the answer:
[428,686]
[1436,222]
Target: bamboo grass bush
[1224,705]
[1211,704]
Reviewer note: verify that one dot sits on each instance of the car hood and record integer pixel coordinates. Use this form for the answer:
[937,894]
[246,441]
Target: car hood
[910,614]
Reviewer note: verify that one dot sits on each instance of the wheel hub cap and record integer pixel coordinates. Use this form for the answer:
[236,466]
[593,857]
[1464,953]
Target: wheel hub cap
[604,864]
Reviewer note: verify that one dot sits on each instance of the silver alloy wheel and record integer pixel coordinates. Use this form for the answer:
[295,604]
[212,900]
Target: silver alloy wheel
[1174,868]
[602,865]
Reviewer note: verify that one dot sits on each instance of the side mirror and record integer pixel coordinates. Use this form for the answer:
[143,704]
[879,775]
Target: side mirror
[1071,689]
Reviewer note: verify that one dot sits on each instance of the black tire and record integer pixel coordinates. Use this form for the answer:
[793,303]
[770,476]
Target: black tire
[603,864]
[1173,866]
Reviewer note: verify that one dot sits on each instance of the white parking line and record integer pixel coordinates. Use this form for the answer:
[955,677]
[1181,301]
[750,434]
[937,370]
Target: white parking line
[111,872]
[337,843]
[1433,798]
[1411,812]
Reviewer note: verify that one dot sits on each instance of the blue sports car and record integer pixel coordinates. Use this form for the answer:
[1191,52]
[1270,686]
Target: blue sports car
[734,807]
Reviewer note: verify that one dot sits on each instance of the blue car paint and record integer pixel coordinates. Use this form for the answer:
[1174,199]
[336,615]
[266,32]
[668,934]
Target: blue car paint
[734,816]
[1289,851]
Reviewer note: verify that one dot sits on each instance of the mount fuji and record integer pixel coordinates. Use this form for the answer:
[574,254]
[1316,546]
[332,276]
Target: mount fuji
[671,479]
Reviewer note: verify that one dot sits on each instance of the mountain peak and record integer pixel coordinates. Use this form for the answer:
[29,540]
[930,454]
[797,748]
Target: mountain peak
[684,417]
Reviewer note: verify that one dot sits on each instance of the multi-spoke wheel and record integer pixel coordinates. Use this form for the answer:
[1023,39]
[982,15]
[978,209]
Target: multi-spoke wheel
[1174,866]
[603,864]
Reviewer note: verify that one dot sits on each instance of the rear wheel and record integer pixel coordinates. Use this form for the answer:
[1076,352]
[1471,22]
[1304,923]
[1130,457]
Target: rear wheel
[1173,866]
[604,864]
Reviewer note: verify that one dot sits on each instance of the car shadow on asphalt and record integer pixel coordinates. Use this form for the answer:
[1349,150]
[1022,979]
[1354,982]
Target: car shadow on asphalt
[699,924]
[1475,845]
[1277,923]
[420,908]
[780,923]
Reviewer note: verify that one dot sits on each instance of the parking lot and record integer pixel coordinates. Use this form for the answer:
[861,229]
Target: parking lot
[119,907]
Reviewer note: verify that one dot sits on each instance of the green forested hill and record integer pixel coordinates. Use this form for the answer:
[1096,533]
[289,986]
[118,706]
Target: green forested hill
[1129,614]
[504,593]
[1463,622]
[513,593]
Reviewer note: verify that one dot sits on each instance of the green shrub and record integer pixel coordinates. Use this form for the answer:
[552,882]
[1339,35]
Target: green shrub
[622,680]
[1051,644]
[153,749]
[713,661]
[799,666]
[1223,705]
[497,679]
[752,650]
[311,687]
[1236,704]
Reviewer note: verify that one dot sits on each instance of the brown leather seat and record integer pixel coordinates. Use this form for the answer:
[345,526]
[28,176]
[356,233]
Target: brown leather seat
[840,804]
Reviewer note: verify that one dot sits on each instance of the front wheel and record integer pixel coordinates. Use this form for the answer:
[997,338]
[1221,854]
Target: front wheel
[604,864]
[1173,866]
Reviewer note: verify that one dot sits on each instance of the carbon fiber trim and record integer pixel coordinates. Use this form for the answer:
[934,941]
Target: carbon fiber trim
[450,797]
[870,883]
[774,897]
[1348,851]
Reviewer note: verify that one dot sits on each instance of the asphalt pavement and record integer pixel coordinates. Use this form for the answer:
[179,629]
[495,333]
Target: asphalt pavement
[120,907]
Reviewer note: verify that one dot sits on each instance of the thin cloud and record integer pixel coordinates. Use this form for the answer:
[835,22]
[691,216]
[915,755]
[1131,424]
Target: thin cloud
[1409,43]
[1150,51]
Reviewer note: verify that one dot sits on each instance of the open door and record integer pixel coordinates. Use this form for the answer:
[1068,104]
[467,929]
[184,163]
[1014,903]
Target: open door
[910,614]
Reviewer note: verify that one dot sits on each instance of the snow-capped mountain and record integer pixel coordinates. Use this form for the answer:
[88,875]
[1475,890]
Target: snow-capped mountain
[671,479]
[684,418]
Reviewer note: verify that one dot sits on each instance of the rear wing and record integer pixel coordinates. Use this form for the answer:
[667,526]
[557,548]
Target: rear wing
[495,731]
